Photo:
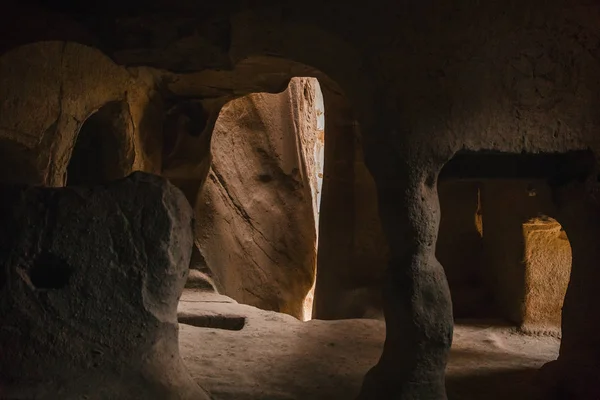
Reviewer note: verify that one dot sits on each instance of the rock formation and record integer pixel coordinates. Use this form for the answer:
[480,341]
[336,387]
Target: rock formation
[503,250]
[420,81]
[55,91]
[255,219]
[90,281]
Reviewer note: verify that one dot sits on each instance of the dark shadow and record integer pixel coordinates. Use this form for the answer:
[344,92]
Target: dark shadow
[50,272]
[485,199]
[501,385]
[495,209]
[102,152]
[230,323]
[19,164]
[557,167]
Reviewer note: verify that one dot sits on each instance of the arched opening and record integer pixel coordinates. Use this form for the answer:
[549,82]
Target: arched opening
[102,151]
[258,251]
[261,199]
[508,263]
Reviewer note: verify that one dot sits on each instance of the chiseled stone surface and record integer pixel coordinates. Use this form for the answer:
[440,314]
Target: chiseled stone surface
[89,285]
[425,79]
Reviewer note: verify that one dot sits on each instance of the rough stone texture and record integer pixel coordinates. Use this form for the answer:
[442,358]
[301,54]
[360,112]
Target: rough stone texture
[255,221]
[91,278]
[547,272]
[276,357]
[428,80]
[501,253]
[49,91]
[201,281]
[409,203]
[307,100]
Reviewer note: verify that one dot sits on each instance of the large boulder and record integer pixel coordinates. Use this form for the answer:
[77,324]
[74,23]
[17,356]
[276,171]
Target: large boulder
[90,278]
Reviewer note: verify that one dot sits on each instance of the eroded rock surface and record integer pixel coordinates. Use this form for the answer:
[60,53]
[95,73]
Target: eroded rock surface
[512,77]
[255,218]
[90,281]
[54,91]
[201,281]
[276,357]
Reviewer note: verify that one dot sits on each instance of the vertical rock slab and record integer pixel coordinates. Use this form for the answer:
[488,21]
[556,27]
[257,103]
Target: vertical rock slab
[547,273]
[90,279]
[255,218]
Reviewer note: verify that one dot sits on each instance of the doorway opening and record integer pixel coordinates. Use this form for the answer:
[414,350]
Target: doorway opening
[498,238]
[508,263]
[102,150]
[259,227]
[261,199]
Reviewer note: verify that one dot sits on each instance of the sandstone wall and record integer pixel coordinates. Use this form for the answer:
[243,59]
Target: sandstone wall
[49,90]
[255,219]
[547,265]
[506,76]
[515,264]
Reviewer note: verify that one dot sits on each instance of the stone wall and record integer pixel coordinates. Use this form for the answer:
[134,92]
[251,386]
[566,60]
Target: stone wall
[49,91]
[504,257]
[255,218]
[424,81]
[507,205]
[90,279]
[547,265]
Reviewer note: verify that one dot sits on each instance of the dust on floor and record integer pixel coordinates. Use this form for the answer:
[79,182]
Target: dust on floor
[277,357]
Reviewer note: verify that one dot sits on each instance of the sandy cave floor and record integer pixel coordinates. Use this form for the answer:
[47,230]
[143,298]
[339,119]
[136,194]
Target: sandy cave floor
[276,357]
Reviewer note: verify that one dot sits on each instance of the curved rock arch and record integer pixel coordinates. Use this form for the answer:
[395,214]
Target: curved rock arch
[103,149]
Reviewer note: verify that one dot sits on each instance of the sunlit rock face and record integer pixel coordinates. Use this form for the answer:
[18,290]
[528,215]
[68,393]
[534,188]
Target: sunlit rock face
[429,80]
[89,285]
[256,214]
[503,256]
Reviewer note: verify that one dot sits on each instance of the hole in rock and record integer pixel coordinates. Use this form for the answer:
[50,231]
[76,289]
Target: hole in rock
[50,272]
[229,323]
[101,152]
[188,118]
[497,241]
[507,260]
